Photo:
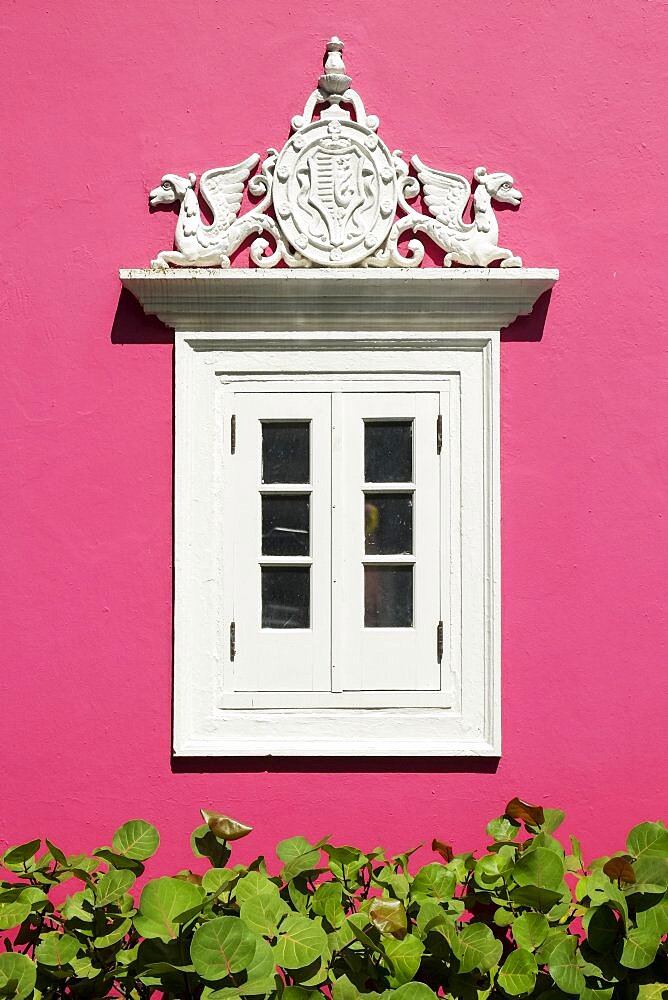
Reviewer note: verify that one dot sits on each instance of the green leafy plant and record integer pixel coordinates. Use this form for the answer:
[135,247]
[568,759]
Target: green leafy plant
[522,918]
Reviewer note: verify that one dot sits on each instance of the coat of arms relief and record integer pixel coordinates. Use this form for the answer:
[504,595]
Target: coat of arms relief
[335,196]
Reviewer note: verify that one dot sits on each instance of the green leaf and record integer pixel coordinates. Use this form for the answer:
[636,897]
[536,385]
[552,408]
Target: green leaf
[13,914]
[15,857]
[263,911]
[114,933]
[639,949]
[553,820]
[222,946]
[79,906]
[56,949]
[300,942]
[651,872]
[540,868]
[217,878]
[502,828]
[205,844]
[654,919]
[434,881]
[137,840]
[254,884]
[342,989]
[162,904]
[412,991]
[530,930]
[388,916]
[112,886]
[602,927]
[17,974]
[327,902]
[405,957]
[478,948]
[563,966]
[648,839]
[518,973]
[56,853]
[537,899]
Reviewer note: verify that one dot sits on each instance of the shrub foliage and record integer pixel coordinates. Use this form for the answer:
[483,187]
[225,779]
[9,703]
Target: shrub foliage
[521,918]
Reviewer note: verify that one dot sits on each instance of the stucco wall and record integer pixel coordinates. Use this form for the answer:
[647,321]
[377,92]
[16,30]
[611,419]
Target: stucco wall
[99,101]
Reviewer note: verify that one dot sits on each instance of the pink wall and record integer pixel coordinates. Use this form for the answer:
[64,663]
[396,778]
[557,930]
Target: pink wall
[104,98]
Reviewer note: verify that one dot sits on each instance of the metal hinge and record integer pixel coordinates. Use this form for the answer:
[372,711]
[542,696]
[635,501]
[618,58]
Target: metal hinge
[439,641]
[233,433]
[233,640]
[439,434]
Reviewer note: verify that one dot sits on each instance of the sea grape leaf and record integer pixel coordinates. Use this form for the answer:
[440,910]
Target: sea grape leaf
[502,828]
[654,919]
[300,942]
[639,949]
[389,916]
[254,884]
[14,913]
[434,881]
[112,886]
[445,850]
[602,927]
[206,844]
[15,858]
[564,968]
[518,973]
[162,903]
[648,839]
[620,868]
[18,974]
[478,948]
[327,902]
[411,991]
[263,911]
[221,947]
[405,957]
[137,840]
[114,933]
[530,930]
[56,949]
[540,868]
[224,827]
[526,813]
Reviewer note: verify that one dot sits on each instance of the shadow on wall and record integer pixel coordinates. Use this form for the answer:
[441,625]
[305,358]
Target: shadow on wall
[335,765]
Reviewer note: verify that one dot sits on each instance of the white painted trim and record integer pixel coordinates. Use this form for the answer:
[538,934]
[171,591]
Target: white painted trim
[374,328]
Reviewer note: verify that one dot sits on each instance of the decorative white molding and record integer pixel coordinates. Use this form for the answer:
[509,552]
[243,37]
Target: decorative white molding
[243,299]
[330,198]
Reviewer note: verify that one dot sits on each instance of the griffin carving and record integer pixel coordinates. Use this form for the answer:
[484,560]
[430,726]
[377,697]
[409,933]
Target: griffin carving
[202,245]
[446,196]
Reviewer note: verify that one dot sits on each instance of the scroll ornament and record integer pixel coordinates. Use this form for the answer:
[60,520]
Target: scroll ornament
[337,196]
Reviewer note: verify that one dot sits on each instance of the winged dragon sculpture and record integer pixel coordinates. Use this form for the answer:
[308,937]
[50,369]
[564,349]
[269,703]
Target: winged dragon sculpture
[201,245]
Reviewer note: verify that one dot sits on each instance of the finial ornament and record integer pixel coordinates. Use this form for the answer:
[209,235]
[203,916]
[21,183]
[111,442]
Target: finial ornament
[335,196]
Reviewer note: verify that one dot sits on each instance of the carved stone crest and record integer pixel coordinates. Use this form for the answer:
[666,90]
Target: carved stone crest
[330,198]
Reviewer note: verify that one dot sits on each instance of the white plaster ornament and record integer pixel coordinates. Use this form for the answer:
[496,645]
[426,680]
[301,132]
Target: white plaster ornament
[334,192]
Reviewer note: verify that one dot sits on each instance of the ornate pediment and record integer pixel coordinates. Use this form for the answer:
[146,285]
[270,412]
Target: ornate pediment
[335,196]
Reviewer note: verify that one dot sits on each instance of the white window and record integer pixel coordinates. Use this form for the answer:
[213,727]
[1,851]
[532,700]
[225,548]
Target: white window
[337,508]
[333,524]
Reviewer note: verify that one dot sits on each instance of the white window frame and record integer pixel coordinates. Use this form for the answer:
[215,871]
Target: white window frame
[376,329]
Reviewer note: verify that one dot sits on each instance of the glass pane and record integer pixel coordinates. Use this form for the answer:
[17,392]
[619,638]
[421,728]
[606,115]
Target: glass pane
[285,525]
[388,523]
[286,597]
[388,451]
[285,451]
[388,596]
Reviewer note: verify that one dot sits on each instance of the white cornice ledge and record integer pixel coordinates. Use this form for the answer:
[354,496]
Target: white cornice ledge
[244,299]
